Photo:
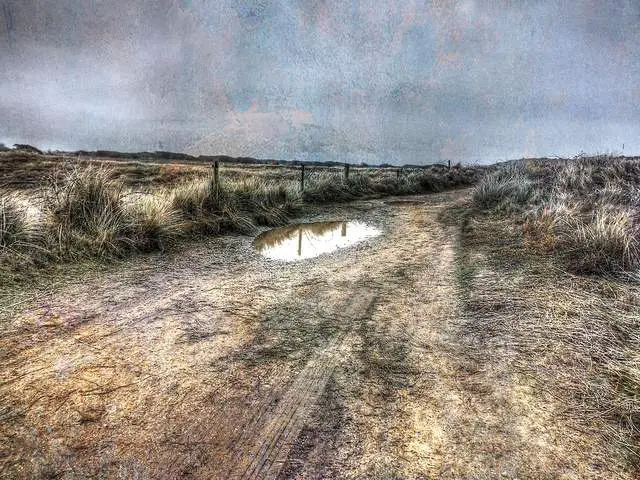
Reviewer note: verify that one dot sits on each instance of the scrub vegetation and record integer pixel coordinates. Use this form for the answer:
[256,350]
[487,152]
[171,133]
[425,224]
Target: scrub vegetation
[584,210]
[100,209]
[460,343]
[553,251]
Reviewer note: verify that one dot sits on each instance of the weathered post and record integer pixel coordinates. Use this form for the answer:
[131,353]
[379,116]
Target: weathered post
[398,174]
[299,241]
[302,178]
[346,171]
[449,164]
[216,177]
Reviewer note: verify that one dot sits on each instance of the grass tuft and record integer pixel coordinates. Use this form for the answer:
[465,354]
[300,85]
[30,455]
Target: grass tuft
[16,231]
[154,223]
[508,188]
[85,212]
[605,241]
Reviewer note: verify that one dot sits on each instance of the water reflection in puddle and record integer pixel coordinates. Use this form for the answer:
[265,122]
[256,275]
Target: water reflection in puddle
[307,240]
[407,203]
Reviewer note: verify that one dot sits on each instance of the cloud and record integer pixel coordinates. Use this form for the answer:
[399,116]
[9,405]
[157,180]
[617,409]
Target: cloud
[414,81]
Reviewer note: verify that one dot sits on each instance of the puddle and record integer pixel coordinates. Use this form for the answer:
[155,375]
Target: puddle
[404,202]
[308,240]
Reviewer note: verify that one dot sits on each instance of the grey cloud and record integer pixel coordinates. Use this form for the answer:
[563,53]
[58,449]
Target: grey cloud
[413,81]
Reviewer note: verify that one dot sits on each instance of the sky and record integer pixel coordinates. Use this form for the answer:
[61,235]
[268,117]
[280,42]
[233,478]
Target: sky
[413,81]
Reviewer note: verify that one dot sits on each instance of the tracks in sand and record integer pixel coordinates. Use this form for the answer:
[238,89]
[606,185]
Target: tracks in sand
[265,442]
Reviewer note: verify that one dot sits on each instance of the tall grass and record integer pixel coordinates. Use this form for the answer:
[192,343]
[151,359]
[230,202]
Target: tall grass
[154,224]
[204,210]
[585,210]
[88,212]
[234,206]
[507,188]
[605,240]
[85,211]
[16,230]
[330,187]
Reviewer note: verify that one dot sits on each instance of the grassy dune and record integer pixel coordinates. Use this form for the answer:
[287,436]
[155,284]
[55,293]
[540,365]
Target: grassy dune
[91,210]
[548,269]
[583,210]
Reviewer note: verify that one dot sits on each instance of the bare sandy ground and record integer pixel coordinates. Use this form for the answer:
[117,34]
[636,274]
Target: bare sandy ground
[216,363]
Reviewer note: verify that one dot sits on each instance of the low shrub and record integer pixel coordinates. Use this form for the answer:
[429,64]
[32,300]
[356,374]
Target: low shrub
[428,182]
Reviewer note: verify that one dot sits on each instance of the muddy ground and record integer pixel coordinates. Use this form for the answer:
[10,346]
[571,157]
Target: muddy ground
[212,363]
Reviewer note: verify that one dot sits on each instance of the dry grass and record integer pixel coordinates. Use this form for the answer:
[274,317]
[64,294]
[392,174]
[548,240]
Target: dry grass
[155,223]
[604,241]
[17,231]
[326,186]
[576,337]
[93,210]
[527,298]
[585,209]
[20,170]
[507,188]
[124,373]
[85,212]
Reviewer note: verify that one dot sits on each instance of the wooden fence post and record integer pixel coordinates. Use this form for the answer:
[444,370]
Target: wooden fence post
[346,171]
[449,164]
[302,178]
[398,174]
[216,176]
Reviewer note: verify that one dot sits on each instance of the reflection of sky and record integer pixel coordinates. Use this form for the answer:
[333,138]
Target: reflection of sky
[303,243]
[413,81]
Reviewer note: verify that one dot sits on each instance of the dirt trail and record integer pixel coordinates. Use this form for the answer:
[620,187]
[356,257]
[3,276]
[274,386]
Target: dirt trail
[217,363]
[267,440]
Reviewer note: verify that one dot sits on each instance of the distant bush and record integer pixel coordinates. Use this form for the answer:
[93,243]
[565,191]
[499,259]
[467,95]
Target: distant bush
[27,148]
[428,182]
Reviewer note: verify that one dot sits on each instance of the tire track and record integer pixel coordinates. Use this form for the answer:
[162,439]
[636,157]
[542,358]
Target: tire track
[266,441]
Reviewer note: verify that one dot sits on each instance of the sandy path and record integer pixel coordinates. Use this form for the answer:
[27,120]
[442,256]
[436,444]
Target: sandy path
[216,363]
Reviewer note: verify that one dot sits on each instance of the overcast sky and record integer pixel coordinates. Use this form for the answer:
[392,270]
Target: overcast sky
[362,80]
